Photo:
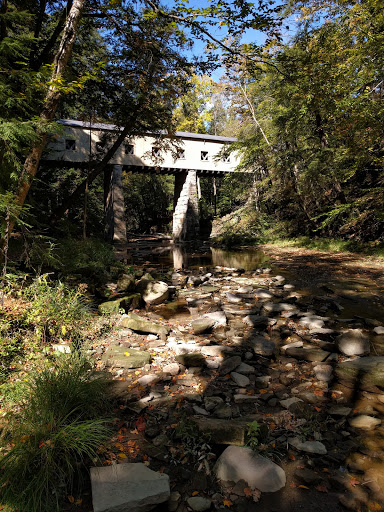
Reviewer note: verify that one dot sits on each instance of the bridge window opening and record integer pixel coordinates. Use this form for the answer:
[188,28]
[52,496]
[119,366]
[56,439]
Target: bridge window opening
[156,152]
[204,156]
[70,144]
[129,149]
[100,145]
[226,159]
[181,154]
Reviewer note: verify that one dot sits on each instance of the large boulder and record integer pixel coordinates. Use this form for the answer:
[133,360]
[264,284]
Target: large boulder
[353,343]
[123,487]
[125,283]
[307,354]
[140,324]
[156,292]
[239,463]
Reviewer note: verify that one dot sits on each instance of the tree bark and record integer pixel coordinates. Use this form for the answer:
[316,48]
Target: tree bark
[51,103]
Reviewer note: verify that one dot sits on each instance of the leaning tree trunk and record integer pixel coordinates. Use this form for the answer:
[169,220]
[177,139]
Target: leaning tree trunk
[51,103]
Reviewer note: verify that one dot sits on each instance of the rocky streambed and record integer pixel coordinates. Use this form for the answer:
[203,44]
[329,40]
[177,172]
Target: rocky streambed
[238,392]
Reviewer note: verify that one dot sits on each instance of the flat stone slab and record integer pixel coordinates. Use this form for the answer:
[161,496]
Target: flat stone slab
[222,431]
[202,325]
[240,463]
[367,372]
[121,357]
[129,487]
[307,354]
[140,324]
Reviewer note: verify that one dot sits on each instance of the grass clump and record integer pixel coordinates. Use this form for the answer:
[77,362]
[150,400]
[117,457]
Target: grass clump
[56,428]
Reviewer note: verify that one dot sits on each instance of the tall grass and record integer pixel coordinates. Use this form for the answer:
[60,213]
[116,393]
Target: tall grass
[55,432]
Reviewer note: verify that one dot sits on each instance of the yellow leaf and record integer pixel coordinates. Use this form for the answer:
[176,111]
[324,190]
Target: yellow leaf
[71,499]
[195,493]
[227,503]
[78,502]
[146,463]
[127,354]
[63,330]
[121,455]
[303,487]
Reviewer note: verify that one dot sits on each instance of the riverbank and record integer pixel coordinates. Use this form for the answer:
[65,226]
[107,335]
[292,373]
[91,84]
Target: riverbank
[285,357]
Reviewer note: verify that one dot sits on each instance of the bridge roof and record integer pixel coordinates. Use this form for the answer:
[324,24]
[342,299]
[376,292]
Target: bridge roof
[112,127]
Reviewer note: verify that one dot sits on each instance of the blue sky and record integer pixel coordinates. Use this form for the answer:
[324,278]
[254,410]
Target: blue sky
[249,36]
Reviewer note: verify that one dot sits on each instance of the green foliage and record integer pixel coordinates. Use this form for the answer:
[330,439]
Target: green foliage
[11,347]
[253,433]
[56,431]
[55,310]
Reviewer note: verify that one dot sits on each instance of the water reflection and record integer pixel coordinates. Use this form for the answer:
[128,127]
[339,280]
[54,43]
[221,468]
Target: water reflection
[182,258]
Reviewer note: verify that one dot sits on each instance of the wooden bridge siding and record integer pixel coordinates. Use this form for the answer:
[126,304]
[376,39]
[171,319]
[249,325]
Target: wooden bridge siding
[86,147]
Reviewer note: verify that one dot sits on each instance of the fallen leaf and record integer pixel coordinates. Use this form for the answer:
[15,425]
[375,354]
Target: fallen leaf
[71,499]
[78,502]
[321,488]
[318,392]
[140,424]
[195,493]
[122,456]
[292,457]
[227,503]
[127,354]
[303,487]
[256,495]
[373,505]
[354,482]
[248,491]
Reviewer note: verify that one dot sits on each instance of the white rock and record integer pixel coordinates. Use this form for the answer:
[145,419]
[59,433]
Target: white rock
[156,292]
[240,463]
[364,422]
[131,486]
[353,343]
[308,446]
[379,329]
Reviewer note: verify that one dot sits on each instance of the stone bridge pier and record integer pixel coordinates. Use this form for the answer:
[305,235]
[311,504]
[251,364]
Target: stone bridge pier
[186,206]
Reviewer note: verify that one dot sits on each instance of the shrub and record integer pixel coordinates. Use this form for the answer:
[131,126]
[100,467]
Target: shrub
[56,310]
[54,433]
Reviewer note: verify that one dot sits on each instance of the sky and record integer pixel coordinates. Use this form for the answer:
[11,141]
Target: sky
[249,36]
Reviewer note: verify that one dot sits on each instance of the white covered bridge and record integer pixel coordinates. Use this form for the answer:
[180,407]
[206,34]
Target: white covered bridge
[185,155]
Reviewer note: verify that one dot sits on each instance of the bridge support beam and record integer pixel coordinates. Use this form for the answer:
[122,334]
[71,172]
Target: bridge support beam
[186,207]
[114,210]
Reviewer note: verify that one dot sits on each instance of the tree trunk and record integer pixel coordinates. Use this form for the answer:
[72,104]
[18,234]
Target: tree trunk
[51,103]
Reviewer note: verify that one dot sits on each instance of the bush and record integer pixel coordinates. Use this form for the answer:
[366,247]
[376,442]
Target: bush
[56,310]
[56,431]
